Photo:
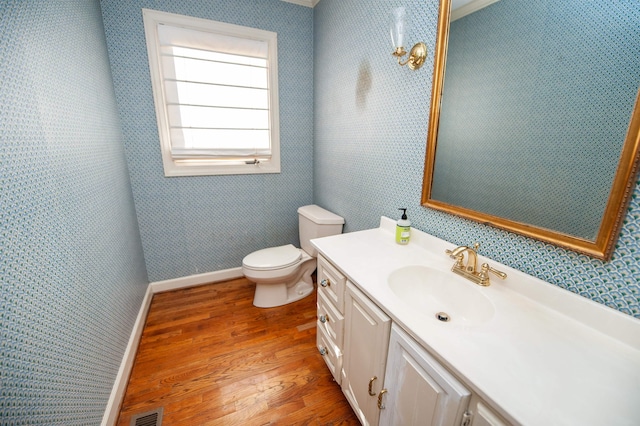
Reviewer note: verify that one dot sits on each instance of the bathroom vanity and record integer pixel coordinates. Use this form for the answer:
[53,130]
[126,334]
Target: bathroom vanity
[410,342]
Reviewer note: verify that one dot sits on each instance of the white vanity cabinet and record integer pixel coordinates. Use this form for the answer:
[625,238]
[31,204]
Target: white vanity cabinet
[330,322]
[418,389]
[366,342]
[387,377]
[527,352]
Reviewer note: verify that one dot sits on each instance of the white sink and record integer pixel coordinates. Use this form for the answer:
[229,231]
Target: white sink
[432,291]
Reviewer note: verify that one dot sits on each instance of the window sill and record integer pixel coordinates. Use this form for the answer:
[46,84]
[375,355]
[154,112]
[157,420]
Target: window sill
[173,168]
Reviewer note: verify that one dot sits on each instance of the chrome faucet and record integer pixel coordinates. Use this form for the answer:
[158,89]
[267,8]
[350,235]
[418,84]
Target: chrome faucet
[470,269]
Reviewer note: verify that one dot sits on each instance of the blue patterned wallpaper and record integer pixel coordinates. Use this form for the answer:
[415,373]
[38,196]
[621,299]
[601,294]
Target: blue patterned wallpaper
[71,267]
[371,118]
[191,225]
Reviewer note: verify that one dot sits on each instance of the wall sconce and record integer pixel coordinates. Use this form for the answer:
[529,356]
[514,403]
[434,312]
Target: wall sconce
[418,52]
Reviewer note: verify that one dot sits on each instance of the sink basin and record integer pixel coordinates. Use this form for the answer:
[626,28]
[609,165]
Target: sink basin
[432,291]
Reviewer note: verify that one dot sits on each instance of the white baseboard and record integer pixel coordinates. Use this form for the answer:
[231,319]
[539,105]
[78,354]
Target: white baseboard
[120,386]
[194,280]
[112,410]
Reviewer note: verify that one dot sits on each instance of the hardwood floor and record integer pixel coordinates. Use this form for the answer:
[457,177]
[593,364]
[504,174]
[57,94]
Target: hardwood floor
[209,357]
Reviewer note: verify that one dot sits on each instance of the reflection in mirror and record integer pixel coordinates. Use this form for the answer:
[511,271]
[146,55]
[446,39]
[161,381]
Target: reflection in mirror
[533,123]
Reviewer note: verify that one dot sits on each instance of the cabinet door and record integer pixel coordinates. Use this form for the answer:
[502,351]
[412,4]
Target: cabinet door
[483,415]
[419,389]
[366,342]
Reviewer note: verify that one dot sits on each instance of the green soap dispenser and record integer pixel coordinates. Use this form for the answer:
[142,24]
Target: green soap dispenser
[403,229]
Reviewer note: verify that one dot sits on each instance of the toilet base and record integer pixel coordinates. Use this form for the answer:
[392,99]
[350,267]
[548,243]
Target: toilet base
[272,295]
[269,295]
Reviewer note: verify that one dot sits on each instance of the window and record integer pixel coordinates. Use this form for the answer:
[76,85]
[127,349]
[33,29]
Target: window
[215,88]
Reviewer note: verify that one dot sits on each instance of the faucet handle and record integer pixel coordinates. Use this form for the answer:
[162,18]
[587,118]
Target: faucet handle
[486,269]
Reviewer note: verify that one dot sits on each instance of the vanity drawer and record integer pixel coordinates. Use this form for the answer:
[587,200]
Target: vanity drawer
[331,283]
[331,353]
[330,320]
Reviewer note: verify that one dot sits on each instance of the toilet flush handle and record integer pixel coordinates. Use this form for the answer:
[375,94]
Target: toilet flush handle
[325,283]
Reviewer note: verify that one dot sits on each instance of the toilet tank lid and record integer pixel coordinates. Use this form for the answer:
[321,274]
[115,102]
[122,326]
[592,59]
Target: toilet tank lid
[320,216]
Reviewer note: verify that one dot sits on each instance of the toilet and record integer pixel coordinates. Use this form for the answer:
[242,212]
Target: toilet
[283,274]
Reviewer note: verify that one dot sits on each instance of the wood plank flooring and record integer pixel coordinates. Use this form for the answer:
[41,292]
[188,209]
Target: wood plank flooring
[209,357]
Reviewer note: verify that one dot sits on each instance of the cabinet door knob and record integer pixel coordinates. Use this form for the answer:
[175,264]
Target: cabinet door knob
[325,282]
[371,392]
[380,404]
[323,318]
[323,351]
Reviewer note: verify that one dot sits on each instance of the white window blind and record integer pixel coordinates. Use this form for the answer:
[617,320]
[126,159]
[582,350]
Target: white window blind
[216,94]
[215,90]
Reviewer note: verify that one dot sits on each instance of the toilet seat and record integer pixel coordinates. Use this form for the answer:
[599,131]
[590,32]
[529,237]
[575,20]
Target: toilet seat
[272,258]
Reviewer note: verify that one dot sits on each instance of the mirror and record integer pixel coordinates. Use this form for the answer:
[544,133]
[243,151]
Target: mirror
[535,128]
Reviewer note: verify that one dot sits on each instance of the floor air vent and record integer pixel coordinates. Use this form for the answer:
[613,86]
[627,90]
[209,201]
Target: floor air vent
[150,418]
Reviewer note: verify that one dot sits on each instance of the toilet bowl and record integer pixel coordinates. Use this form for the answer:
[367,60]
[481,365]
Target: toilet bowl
[279,279]
[283,274]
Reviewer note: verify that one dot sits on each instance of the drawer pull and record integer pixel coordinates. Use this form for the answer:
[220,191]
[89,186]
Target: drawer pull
[325,282]
[371,392]
[380,404]
[323,351]
[324,318]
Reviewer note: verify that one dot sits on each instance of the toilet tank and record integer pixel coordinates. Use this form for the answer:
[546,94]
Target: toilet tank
[316,222]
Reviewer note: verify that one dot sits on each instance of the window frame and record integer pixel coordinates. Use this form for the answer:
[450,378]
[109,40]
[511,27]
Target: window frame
[199,166]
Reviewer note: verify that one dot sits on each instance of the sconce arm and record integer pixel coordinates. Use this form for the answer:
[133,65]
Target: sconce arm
[417,55]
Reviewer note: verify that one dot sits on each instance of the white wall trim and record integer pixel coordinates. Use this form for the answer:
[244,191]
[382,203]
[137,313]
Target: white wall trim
[210,164]
[469,8]
[112,410]
[194,280]
[122,378]
[308,3]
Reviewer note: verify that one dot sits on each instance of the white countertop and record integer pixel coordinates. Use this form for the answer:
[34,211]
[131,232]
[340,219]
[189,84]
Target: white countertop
[546,357]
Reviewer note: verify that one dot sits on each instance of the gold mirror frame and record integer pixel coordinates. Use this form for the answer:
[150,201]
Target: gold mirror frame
[623,186]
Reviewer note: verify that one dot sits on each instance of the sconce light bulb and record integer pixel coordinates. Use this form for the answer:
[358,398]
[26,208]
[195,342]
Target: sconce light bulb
[398,27]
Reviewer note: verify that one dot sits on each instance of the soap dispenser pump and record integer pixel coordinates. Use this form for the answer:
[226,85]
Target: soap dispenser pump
[403,229]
